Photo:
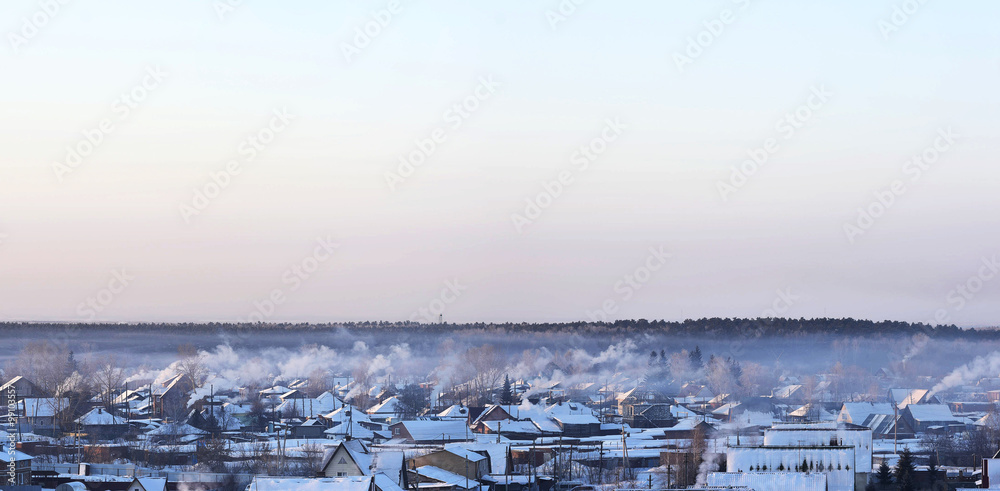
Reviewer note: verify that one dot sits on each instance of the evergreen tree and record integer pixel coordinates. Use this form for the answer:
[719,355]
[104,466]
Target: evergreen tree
[905,470]
[507,396]
[695,356]
[70,365]
[884,474]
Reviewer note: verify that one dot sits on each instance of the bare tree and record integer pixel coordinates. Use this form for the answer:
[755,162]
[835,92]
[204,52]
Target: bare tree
[192,365]
[313,459]
[488,366]
[109,376]
[318,382]
[43,363]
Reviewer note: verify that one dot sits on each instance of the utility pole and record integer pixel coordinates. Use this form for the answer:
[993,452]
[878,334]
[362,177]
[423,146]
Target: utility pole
[895,428]
[626,469]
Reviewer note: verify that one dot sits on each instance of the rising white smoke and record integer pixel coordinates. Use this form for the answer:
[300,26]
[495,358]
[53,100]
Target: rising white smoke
[982,366]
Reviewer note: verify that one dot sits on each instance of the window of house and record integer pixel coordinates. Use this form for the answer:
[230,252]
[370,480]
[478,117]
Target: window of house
[341,474]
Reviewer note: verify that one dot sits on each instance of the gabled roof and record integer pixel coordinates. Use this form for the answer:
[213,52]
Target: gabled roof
[176,429]
[492,408]
[522,427]
[454,411]
[786,391]
[100,417]
[152,483]
[465,454]
[354,430]
[436,430]
[354,450]
[443,476]
[13,381]
[347,413]
[43,407]
[858,412]
[387,407]
[932,412]
[905,397]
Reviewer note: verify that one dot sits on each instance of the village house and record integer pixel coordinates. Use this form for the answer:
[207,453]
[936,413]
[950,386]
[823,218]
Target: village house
[348,458]
[430,431]
[102,425]
[148,484]
[385,411]
[22,387]
[931,418]
[22,465]
[642,408]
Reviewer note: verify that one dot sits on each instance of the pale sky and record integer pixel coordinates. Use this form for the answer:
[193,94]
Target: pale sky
[454,234]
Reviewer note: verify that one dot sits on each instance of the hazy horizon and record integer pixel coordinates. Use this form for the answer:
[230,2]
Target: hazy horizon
[317,222]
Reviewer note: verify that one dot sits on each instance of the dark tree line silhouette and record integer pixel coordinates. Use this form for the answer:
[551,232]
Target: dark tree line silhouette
[774,327]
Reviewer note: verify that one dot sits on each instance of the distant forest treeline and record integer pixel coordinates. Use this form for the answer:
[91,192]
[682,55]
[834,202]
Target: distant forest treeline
[723,327]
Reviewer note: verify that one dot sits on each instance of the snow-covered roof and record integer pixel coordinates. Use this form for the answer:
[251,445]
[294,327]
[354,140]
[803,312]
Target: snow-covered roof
[356,450]
[525,427]
[44,407]
[465,453]
[496,451]
[326,402]
[18,455]
[786,391]
[905,397]
[153,483]
[454,411]
[436,430]
[576,419]
[353,429]
[857,412]
[347,413]
[441,475]
[176,429]
[100,417]
[386,407]
[277,390]
[353,483]
[932,412]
